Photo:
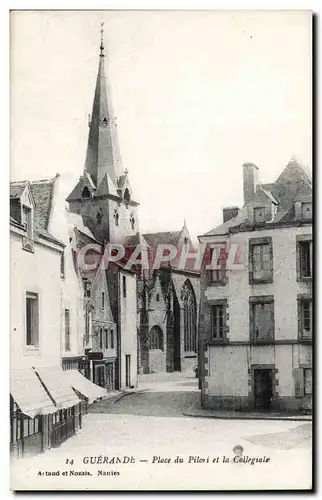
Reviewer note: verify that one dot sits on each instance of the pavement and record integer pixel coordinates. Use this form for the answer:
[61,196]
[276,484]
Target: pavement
[161,447]
[195,410]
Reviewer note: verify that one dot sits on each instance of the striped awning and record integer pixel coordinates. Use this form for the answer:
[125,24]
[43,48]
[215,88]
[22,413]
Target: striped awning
[84,386]
[58,387]
[29,394]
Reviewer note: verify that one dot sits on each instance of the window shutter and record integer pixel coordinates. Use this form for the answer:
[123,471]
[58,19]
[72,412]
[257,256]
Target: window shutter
[299,382]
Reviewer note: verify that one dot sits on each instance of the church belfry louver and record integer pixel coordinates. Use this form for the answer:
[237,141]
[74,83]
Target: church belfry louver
[103,195]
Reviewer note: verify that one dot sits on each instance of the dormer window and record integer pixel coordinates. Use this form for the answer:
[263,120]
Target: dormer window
[259,214]
[104,121]
[306,210]
[26,220]
[86,193]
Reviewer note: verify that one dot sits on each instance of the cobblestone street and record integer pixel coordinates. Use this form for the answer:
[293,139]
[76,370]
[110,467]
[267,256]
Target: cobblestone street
[149,427]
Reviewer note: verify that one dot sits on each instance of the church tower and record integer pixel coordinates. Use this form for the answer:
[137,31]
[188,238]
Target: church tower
[103,195]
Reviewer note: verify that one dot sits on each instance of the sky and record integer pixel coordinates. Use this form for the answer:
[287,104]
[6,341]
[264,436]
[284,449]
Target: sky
[196,94]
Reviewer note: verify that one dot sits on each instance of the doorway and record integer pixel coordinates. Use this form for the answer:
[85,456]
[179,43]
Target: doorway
[128,370]
[263,388]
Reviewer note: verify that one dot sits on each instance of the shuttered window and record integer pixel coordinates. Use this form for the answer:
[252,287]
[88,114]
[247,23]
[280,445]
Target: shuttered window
[303,382]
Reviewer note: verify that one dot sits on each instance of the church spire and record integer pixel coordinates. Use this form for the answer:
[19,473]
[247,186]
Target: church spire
[102,156]
[102,41]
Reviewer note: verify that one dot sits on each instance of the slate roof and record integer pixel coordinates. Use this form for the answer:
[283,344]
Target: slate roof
[42,192]
[17,188]
[137,239]
[170,237]
[294,183]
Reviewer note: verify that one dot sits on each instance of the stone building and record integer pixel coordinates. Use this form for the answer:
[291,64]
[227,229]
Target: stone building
[104,201]
[168,306]
[46,403]
[157,323]
[256,306]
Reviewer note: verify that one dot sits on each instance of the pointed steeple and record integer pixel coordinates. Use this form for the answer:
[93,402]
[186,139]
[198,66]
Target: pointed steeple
[102,156]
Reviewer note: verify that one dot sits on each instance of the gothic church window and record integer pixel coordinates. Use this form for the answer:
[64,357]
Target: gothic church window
[189,317]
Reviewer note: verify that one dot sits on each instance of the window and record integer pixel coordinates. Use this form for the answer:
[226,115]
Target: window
[26,220]
[260,260]
[307,381]
[156,338]
[305,259]
[218,259]
[116,217]
[67,330]
[305,317]
[261,318]
[217,321]
[99,218]
[303,381]
[31,426]
[306,210]
[112,339]
[62,265]
[32,320]
[132,221]
[124,286]
[127,197]
[157,298]
[101,338]
[103,301]
[259,214]
[86,193]
[189,317]
[106,338]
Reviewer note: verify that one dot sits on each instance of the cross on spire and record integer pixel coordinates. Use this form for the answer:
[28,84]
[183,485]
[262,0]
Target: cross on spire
[102,40]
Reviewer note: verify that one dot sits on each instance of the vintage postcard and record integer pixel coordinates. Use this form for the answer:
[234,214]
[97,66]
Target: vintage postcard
[161,250]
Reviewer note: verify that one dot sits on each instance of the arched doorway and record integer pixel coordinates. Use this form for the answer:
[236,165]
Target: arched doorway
[189,317]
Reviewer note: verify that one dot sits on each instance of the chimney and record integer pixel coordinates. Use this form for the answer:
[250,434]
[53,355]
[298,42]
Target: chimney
[250,181]
[229,213]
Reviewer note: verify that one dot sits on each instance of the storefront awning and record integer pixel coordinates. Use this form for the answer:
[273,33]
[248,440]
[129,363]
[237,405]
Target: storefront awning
[58,387]
[84,386]
[29,394]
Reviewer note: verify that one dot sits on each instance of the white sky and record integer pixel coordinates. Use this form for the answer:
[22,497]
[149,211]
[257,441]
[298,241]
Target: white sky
[196,94]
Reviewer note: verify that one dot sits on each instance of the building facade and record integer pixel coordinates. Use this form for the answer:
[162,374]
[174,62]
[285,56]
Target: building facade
[256,306]
[46,403]
[168,308]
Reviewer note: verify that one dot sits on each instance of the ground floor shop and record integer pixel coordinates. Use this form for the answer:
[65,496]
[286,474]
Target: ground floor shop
[47,407]
[100,370]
